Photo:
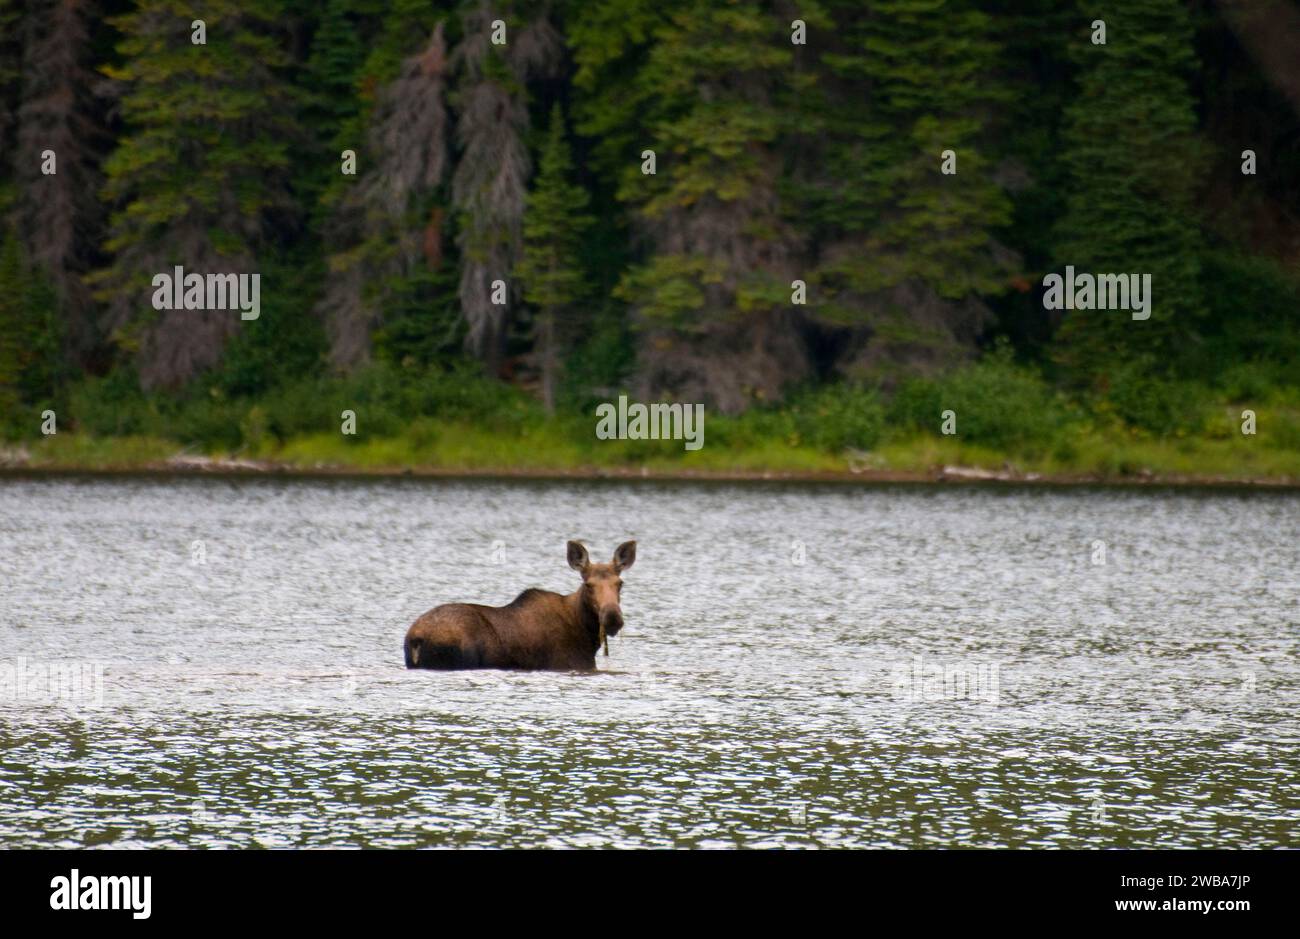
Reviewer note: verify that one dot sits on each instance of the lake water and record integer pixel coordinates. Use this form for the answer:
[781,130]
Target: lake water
[218,662]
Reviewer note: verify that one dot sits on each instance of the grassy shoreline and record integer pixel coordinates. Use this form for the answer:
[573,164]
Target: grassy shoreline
[990,420]
[461,451]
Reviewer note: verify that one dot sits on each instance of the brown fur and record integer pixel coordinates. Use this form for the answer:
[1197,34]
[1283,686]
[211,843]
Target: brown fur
[539,630]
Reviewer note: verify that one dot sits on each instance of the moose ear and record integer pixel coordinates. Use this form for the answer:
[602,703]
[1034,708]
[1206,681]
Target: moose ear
[625,555]
[578,559]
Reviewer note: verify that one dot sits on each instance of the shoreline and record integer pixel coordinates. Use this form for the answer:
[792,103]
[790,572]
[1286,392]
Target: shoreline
[217,467]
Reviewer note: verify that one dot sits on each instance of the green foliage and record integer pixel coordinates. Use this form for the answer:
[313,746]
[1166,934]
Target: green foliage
[199,177]
[337,55]
[551,269]
[422,326]
[386,399]
[555,221]
[1145,397]
[284,342]
[603,356]
[611,41]
[1134,165]
[356,51]
[332,110]
[838,417]
[1253,324]
[670,290]
[832,419]
[31,335]
[997,403]
[12,325]
[710,89]
[114,406]
[774,161]
[208,136]
[929,69]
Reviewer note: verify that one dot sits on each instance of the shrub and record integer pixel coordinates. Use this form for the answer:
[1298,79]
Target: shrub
[838,417]
[1157,403]
[1254,317]
[112,406]
[997,403]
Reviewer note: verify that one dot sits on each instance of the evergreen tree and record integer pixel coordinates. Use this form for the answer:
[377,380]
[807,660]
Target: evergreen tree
[1026,142]
[335,105]
[906,248]
[711,93]
[551,267]
[31,367]
[1134,168]
[489,185]
[45,369]
[338,53]
[385,227]
[199,179]
[610,41]
[776,162]
[61,117]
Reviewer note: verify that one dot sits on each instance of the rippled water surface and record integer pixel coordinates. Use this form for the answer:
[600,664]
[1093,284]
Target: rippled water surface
[212,662]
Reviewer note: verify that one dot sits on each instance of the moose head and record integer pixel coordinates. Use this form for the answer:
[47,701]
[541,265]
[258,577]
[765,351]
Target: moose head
[601,583]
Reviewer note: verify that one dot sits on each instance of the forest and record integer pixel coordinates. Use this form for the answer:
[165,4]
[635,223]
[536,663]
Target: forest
[830,223]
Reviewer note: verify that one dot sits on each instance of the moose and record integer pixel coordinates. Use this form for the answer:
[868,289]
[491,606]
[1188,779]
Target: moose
[540,629]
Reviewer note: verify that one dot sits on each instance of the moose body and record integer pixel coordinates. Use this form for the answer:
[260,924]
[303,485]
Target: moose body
[541,629]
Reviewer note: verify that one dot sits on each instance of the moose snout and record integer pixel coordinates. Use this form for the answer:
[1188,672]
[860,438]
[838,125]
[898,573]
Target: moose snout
[611,619]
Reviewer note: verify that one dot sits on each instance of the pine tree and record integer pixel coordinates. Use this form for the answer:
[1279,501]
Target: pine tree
[907,249]
[61,116]
[710,90]
[1026,144]
[930,65]
[489,185]
[1134,168]
[200,178]
[337,55]
[45,369]
[610,40]
[31,368]
[551,267]
[335,107]
[385,226]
